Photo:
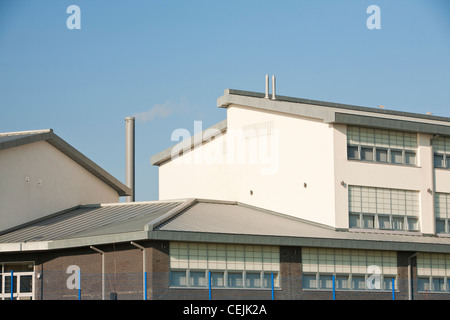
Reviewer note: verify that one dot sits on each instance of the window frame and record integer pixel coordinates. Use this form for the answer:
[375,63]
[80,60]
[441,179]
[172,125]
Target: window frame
[441,218]
[226,278]
[386,149]
[378,216]
[442,151]
[18,292]
[317,276]
[427,272]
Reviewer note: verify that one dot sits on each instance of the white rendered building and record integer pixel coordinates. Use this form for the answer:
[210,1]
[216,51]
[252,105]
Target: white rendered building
[343,166]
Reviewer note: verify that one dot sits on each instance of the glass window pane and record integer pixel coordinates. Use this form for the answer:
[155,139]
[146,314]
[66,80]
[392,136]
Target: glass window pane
[352,152]
[384,222]
[358,282]
[342,282]
[398,223]
[438,284]
[355,221]
[8,284]
[369,221]
[367,154]
[382,155]
[387,283]
[325,281]
[309,281]
[18,267]
[410,157]
[25,284]
[438,160]
[217,279]
[440,226]
[413,224]
[235,279]
[253,280]
[423,284]
[267,278]
[396,156]
[197,279]
[178,278]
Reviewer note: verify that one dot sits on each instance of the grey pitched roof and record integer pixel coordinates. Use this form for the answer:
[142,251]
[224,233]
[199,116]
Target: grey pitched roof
[14,139]
[200,220]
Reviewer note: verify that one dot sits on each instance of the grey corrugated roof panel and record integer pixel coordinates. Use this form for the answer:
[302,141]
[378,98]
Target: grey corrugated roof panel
[15,139]
[91,220]
[240,219]
[200,220]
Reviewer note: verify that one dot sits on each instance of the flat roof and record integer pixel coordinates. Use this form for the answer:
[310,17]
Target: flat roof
[15,139]
[328,112]
[224,102]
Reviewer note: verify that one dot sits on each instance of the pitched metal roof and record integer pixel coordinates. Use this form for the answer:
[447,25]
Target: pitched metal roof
[201,221]
[15,139]
[235,221]
[89,220]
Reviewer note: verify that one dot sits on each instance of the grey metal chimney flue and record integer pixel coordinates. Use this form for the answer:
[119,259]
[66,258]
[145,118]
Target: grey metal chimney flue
[129,157]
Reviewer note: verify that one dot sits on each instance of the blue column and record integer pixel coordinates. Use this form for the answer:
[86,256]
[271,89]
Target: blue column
[209,281]
[145,285]
[334,287]
[79,284]
[393,288]
[272,288]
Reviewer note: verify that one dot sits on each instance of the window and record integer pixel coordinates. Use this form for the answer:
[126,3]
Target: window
[22,281]
[381,208]
[433,272]
[441,150]
[230,266]
[442,212]
[384,146]
[349,267]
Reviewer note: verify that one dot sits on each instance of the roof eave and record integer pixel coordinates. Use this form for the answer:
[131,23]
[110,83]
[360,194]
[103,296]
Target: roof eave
[335,113]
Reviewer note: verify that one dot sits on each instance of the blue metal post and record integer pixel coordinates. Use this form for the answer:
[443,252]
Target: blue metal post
[393,288]
[12,285]
[209,276]
[79,284]
[145,285]
[272,288]
[334,287]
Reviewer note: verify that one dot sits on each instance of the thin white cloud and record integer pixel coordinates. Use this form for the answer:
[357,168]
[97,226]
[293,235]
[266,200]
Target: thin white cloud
[156,111]
[160,111]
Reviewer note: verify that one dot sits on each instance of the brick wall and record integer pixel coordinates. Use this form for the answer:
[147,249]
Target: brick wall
[124,276]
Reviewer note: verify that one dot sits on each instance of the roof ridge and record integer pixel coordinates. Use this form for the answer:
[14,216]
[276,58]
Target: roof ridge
[18,133]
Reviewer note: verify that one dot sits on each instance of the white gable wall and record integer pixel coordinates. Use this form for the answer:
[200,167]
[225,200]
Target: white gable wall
[63,184]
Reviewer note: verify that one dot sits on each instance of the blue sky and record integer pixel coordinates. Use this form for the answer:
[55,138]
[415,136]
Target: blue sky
[176,58]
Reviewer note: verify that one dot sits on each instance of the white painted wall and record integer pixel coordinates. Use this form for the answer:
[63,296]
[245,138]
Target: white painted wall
[64,184]
[302,154]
